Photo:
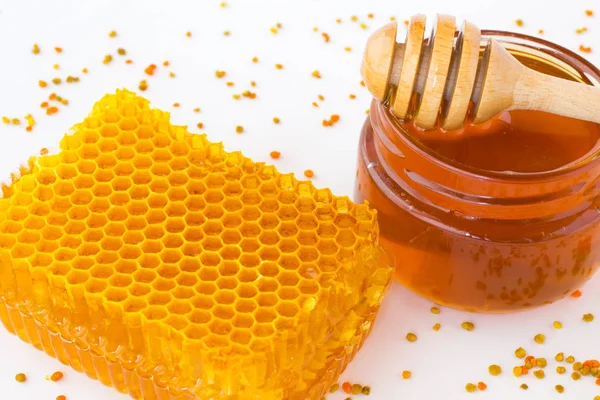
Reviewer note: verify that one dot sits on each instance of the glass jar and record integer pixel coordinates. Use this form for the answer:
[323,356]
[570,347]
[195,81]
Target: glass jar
[479,240]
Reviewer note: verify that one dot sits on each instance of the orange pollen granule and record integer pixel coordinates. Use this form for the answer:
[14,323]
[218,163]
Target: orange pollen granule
[585,49]
[332,120]
[150,69]
[275,154]
[57,376]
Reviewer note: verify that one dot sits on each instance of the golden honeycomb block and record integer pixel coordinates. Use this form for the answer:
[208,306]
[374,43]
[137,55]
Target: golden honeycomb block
[158,263]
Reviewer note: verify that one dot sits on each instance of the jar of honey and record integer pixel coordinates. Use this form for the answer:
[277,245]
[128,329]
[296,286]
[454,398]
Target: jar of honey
[496,217]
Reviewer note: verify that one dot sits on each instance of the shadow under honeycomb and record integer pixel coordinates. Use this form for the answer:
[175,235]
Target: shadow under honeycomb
[158,263]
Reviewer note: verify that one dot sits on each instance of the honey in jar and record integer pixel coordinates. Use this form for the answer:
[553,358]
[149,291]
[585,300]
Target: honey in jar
[496,217]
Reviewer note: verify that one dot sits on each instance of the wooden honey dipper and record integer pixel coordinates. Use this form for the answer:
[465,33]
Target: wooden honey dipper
[443,77]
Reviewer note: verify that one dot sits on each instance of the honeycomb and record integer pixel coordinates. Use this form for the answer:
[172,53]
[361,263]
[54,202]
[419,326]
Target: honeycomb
[158,263]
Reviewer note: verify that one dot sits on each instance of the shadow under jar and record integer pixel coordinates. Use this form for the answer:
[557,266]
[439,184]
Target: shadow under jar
[501,221]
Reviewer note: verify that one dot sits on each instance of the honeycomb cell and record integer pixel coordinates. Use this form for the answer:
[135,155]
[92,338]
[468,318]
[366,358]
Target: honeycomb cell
[204,264]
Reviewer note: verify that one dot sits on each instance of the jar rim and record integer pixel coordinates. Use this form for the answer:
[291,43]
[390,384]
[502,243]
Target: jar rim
[582,66]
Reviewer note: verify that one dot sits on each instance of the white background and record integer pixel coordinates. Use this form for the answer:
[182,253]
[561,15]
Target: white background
[153,31]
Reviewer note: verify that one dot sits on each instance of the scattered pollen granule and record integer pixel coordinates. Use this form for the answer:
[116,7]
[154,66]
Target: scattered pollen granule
[273,30]
[220,74]
[129,61]
[539,374]
[436,327]
[51,110]
[524,386]
[363,26]
[121,51]
[559,388]
[56,376]
[579,31]
[56,66]
[481,386]
[347,387]
[352,96]
[35,49]
[334,388]
[587,317]
[570,359]
[143,86]
[541,32]
[6,120]
[197,109]
[188,34]
[84,70]
[58,50]
[494,370]
[519,22]
[200,125]
[356,389]
[557,325]
[193,230]
[518,371]
[112,34]
[275,155]
[589,13]
[316,74]
[560,370]
[107,59]
[21,377]
[348,49]
[226,33]
[411,337]
[42,84]
[230,84]
[560,357]
[333,119]
[539,338]
[254,59]
[150,69]
[576,294]
[57,81]
[61,397]
[276,120]
[406,374]
[470,387]
[176,105]
[239,129]
[16,121]
[467,326]
[541,362]
[279,66]
[366,390]
[171,74]
[585,49]
[309,173]
[325,37]
[575,376]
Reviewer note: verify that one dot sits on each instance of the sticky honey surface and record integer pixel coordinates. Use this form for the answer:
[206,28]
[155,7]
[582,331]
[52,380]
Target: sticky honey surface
[160,264]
